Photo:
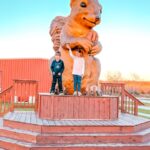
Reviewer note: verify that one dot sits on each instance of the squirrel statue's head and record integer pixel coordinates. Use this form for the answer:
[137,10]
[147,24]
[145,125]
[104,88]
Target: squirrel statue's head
[86,12]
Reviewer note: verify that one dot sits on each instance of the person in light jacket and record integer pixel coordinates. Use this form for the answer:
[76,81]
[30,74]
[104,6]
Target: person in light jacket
[78,70]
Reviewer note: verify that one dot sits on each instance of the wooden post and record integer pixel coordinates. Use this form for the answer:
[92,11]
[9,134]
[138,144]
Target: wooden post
[135,108]
[36,97]
[0,104]
[12,99]
[122,98]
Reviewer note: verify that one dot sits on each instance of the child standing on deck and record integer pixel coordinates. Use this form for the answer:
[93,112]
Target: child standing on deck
[78,70]
[57,68]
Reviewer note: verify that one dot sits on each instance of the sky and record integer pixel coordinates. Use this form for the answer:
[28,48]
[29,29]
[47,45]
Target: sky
[124,33]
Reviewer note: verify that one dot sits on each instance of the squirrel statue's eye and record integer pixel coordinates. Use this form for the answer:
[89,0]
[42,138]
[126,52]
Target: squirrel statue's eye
[83,4]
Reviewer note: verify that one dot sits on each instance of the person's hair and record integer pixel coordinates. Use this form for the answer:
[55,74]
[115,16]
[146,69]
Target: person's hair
[80,51]
[58,53]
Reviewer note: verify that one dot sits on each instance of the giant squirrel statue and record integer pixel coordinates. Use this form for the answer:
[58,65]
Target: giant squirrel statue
[76,31]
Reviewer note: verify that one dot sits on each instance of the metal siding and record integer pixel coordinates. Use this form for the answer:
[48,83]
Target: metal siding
[32,69]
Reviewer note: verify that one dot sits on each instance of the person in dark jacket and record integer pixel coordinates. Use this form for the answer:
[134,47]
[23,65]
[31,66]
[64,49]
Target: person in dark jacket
[57,68]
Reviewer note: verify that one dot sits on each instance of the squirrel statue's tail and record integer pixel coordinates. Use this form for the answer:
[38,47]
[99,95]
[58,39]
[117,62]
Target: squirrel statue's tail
[55,31]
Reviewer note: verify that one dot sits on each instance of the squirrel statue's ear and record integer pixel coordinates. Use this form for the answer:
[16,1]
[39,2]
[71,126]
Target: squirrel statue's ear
[71,2]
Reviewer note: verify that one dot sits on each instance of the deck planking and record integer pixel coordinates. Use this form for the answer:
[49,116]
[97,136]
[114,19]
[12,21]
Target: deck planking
[32,118]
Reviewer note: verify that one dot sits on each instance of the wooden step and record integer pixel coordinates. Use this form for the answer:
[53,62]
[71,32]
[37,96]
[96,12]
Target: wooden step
[25,131]
[139,137]
[11,144]
[76,127]
[75,138]
[31,122]
[16,134]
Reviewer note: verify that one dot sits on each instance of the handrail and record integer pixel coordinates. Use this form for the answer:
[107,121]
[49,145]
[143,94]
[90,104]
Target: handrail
[6,90]
[134,98]
[113,83]
[6,101]
[128,103]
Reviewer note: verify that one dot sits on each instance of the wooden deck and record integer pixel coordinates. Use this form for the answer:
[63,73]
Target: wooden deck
[26,131]
[32,118]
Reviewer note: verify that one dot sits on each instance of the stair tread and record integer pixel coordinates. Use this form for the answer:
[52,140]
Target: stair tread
[143,132]
[27,144]
[19,131]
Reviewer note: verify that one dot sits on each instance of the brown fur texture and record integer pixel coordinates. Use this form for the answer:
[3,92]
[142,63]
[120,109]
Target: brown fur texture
[76,31]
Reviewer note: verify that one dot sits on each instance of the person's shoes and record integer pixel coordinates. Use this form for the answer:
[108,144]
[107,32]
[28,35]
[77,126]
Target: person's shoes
[79,94]
[52,93]
[75,93]
[61,93]
[92,93]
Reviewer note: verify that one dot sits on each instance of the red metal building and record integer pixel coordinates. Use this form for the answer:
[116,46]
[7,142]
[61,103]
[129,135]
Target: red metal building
[31,69]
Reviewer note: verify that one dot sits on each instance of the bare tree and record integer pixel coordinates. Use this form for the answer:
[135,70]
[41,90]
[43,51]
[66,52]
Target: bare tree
[114,76]
[134,77]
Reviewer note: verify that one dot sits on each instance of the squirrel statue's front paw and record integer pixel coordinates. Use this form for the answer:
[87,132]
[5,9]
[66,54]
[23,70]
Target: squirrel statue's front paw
[95,49]
[85,44]
[81,42]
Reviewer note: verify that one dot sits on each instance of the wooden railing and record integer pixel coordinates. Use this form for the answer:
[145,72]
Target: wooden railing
[128,103]
[112,88]
[25,94]
[6,101]
[22,94]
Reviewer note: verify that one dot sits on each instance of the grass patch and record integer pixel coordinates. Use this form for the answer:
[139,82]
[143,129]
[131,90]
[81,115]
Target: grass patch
[24,109]
[144,116]
[147,104]
[144,111]
[17,106]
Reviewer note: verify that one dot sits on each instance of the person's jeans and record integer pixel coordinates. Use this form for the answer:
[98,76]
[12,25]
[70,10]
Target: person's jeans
[77,82]
[57,78]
